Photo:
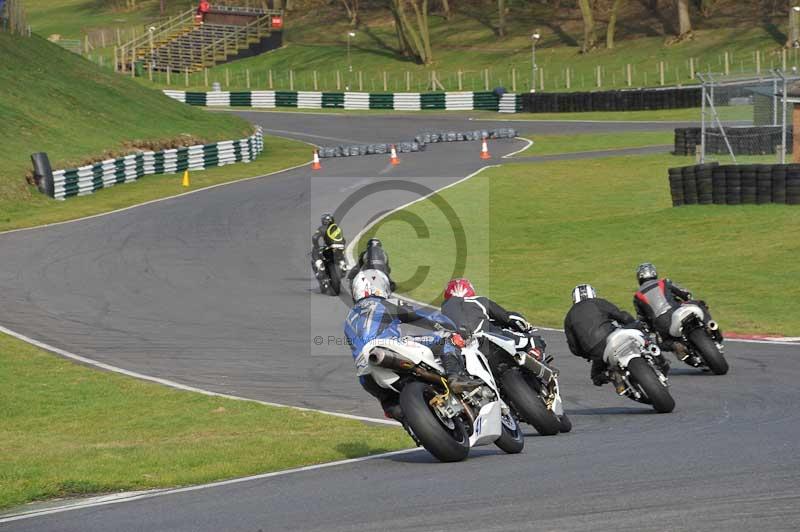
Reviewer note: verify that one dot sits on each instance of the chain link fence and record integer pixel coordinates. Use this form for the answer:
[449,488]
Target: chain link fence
[744,119]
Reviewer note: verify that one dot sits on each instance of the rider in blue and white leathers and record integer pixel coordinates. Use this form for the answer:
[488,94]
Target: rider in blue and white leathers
[373,317]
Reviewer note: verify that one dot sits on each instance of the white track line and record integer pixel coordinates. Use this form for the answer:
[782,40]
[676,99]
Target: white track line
[139,495]
[177,385]
[513,153]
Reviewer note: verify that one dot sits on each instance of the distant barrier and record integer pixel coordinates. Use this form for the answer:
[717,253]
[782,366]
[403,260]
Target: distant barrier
[398,101]
[617,100]
[744,140]
[706,184]
[90,178]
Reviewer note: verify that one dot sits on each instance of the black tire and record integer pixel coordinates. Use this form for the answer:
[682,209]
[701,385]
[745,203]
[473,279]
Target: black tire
[510,441]
[528,403]
[645,378]
[335,273]
[446,444]
[564,423]
[708,351]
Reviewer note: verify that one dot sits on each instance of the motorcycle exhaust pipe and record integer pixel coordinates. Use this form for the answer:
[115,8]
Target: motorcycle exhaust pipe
[385,359]
[712,325]
[537,368]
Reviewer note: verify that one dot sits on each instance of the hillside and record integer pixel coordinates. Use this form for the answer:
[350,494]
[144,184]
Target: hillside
[55,101]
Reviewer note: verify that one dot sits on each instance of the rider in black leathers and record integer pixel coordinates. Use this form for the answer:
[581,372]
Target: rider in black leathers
[473,313]
[588,324]
[656,301]
[327,233]
[374,257]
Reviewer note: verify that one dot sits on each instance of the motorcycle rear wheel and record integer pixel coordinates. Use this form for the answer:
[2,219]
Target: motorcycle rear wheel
[446,444]
[528,403]
[645,378]
[708,350]
[510,441]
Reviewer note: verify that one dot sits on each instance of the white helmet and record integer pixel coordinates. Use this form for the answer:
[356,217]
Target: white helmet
[583,291]
[370,283]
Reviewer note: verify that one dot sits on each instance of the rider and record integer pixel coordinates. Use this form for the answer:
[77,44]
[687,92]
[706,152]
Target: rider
[374,257]
[655,302]
[327,233]
[475,313]
[588,324]
[373,316]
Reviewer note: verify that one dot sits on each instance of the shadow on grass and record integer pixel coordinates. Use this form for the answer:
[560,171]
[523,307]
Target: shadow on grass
[357,449]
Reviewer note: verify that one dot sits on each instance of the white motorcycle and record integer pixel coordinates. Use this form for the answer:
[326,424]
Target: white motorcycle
[446,422]
[702,338]
[530,386]
[633,369]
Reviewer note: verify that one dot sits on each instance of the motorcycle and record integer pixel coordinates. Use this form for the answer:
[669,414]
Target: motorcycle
[633,368]
[335,266]
[702,338]
[530,386]
[445,422]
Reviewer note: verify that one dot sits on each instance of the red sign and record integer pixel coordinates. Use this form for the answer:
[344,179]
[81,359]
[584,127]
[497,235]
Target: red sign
[277,22]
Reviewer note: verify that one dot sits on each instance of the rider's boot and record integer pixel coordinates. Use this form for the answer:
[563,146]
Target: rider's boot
[457,378]
[598,373]
[680,351]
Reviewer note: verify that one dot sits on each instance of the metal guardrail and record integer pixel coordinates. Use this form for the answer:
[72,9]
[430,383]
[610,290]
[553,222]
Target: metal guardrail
[130,50]
[221,47]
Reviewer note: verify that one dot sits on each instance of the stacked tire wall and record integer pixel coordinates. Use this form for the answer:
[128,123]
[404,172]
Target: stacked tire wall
[618,100]
[757,140]
[756,184]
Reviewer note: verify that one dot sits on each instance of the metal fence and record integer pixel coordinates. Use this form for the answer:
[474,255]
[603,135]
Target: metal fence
[744,119]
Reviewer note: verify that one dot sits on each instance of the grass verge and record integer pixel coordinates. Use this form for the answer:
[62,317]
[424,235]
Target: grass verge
[279,153]
[69,430]
[554,144]
[554,225]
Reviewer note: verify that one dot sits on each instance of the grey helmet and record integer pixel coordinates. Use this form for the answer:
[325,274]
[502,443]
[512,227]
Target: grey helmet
[583,292]
[327,219]
[646,271]
[374,242]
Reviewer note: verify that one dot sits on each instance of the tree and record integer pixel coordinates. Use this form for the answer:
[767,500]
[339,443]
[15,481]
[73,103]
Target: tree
[612,24]
[412,33]
[684,21]
[501,23]
[589,33]
[351,6]
[446,9]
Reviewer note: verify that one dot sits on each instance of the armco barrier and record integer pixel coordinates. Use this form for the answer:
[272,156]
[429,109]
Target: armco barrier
[399,101]
[735,184]
[744,140]
[617,100]
[87,179]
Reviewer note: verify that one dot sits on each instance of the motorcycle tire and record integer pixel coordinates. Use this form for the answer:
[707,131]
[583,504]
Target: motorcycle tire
[564,423]
[708,351]
[646,380]
[510,441]
[528,403]
[335,273]
[447,445]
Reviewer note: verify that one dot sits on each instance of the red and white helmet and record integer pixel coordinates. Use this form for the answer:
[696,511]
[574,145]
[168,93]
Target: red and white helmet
[460,288]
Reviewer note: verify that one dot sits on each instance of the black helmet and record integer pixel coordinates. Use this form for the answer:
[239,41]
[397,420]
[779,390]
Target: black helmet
[327,219]
[646,272]
[373,242]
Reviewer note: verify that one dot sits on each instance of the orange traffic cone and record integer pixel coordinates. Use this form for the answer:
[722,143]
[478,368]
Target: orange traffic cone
[485,150]
[315,163]
[394,158]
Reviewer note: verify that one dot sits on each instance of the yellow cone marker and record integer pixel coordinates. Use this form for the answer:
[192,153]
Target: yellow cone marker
[185,178]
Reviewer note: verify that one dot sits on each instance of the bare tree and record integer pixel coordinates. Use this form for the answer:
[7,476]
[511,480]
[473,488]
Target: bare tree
[412,33]
[446,9]
[501,21]
[684,21]
[589,32]
[612,24]
[351,6]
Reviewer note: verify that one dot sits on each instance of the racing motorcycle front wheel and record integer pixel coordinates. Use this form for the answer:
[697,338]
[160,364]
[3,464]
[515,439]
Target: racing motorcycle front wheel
[512,440]
[446,439]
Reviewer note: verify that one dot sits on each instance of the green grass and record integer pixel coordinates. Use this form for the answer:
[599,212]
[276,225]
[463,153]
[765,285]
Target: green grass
[558,224]
[59,103]
[279,153]
[69,430]
[554,144]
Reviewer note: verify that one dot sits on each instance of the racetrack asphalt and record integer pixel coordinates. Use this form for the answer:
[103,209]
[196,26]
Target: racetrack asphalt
[214,290]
